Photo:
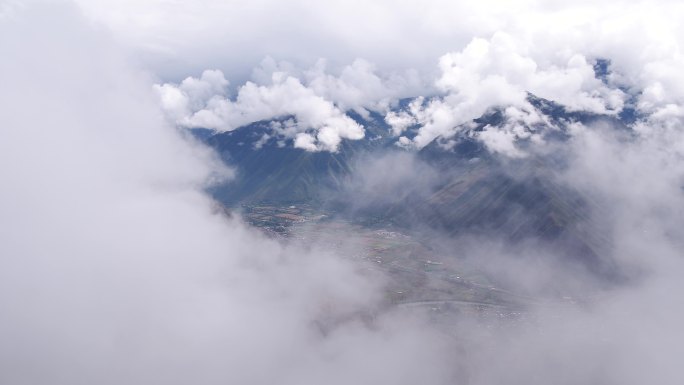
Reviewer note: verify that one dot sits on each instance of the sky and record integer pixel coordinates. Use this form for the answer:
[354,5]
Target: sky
[117,268]
[182,38]
[317,60]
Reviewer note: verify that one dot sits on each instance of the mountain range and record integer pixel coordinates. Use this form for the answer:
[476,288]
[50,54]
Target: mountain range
[453,186]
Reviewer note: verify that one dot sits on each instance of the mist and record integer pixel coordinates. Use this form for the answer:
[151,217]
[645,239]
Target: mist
[116,267]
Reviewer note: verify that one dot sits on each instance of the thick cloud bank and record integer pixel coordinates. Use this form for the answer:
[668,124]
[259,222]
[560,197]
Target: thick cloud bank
[116,269]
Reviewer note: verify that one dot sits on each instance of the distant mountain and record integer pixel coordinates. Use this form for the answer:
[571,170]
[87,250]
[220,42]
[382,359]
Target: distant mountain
[270,169]
[475,191]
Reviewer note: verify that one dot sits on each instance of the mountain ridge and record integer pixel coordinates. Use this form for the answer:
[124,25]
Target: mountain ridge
[471,189]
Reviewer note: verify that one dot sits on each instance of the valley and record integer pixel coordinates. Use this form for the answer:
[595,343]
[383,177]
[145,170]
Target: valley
[415,276]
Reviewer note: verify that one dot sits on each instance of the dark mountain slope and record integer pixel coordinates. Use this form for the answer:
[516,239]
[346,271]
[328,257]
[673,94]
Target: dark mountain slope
[473,192]
[274,171]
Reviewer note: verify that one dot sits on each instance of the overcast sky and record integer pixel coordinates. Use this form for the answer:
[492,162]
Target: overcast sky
[177,38]
[333,56]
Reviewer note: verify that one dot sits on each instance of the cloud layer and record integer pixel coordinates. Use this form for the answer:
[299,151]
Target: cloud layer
[314,101]
[115,267]
[549,50]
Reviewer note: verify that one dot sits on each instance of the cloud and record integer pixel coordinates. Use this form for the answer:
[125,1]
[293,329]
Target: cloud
[360,86]
[614,332]
[500,141]
[176,39]
[320,125]
[116,268]
[181,38]
[314,99]
[494,56]
[382,180]
[192,94]
[626,335]
[499,73]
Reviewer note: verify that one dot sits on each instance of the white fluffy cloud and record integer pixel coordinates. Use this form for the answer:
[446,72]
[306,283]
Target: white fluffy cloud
[192,94]
[498,73]
[496,54]
[320,124]
[315,99]
[502,69]
[360,85]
